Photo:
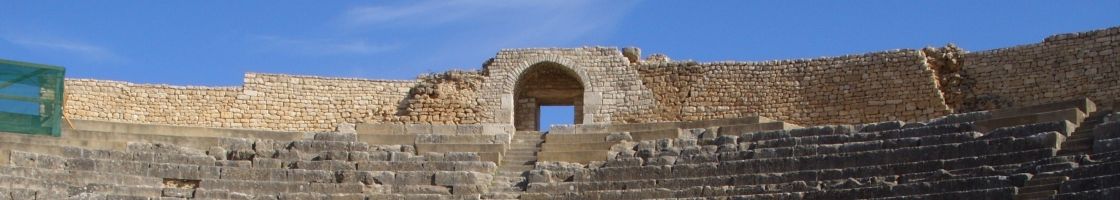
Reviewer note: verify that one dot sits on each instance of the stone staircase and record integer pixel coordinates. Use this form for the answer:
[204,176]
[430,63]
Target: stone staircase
[1045,184]
[1081,140]
[510,181]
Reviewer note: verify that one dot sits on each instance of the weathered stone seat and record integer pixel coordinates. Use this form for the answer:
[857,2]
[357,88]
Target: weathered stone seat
[1072,115]
[815,149]
[574,156]
[746,128]
[837,136]
[575,138]
[1093,180]
[775,159]
[558,147]
[1081,104]
[320,165]
[693,171]
[915,143]
[707,177]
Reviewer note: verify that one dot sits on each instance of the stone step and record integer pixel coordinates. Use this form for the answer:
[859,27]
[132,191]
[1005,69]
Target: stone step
[7,147]
[1072,115]
[1083,104]
[511,183]
[583,157]
[527,162]
[533,149]
[526,143]
[655,134]
[1036,195]
[560,147]
[1040,187]
[1081,140]
[510,190]
[509,179]
[501,195]
[1048,180]
[387,139]
[515,168]
[518,158]
[520,153]
[179,131]
[442,148]
[522,167]
[512,174]
[16,138]
[1075,149]
[528,138]
[196,142]
[1088,136]
[524,149]
[575,138]
[635,127]
[746,128]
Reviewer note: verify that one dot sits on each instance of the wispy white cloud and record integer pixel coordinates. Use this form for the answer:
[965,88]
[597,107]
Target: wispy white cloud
[72,47]
[322,46]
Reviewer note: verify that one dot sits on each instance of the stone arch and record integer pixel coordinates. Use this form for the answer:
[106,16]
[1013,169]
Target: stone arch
[535,82]
[519,70]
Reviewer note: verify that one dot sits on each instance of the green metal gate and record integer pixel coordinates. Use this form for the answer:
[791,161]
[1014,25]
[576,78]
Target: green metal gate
[31,98]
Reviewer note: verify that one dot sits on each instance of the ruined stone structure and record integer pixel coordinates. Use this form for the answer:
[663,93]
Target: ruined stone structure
[1027,122]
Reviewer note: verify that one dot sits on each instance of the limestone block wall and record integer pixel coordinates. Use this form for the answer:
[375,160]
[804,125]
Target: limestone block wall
[266,101]
[907,85]
[159,104]
[286,102]
[446,98]
[893,85]
[1063,66]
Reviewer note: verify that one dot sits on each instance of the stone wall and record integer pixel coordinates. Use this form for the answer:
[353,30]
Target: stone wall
[266,101]
[286,102]
[907,85]
[1063,66]
[158,104]
[446,98]
[893,85]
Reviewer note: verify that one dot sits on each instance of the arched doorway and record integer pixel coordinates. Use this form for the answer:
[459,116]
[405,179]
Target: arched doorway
[545,84]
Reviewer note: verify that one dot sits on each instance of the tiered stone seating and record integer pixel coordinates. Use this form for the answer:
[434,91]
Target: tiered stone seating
[1099,177]
[489,141]
[321,166]
[1107,135]
[591,143]
[984,155]
[680,165]
[1036,152]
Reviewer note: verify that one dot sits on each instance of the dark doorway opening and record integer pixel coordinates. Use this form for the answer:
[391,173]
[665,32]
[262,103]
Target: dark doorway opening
[544,86]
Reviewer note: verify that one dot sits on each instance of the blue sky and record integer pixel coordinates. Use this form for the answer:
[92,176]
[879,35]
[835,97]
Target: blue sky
[215,42]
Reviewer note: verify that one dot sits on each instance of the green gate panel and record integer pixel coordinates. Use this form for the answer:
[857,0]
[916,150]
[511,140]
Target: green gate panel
[31,98]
